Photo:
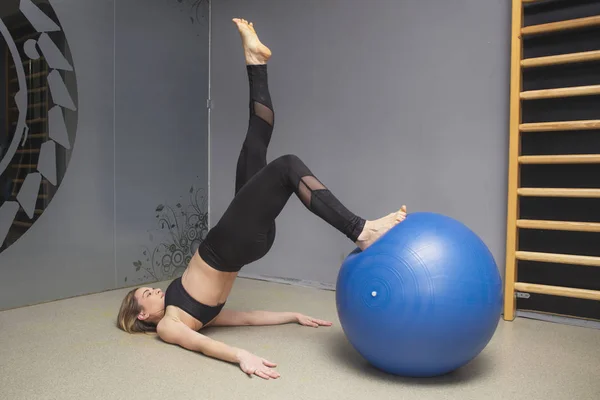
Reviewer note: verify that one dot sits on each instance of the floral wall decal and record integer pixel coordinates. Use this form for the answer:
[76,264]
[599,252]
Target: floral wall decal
[180,229]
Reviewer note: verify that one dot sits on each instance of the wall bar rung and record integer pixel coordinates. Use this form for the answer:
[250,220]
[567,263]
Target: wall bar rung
[558,258]
[562,25]
[571,226]
[28,151]
[586,56]
[560,126]
[559,192]
[22,224]
[561,92]
[557,291]
[561,159]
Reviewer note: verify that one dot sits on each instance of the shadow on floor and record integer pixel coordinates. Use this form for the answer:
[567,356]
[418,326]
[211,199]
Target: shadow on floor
[347,355]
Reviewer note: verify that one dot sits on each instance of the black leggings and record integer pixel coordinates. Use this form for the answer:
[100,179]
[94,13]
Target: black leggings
[246,231]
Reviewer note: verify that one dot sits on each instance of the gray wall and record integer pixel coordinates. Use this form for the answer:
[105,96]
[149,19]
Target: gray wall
[139,151]
[388,102]
[162,135]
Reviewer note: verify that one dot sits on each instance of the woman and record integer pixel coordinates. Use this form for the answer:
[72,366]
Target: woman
[243,235]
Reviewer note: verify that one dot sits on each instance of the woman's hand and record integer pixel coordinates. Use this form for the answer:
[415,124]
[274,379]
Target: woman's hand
[254,365]
[310,321]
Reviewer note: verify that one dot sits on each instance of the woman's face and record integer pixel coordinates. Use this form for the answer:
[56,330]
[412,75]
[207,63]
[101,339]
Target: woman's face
[152,301]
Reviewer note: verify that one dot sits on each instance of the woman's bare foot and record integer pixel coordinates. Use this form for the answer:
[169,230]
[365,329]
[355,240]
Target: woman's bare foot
[255,52]
[373,230]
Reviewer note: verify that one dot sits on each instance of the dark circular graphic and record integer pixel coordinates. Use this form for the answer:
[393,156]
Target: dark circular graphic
[39,91]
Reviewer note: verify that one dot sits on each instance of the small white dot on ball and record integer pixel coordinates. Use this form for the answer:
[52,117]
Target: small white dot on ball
[373,293]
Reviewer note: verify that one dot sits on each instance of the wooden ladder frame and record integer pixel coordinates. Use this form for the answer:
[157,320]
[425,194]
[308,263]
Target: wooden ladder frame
[517,128]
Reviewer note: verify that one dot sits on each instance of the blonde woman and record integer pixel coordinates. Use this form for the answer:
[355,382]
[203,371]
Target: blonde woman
[244,234]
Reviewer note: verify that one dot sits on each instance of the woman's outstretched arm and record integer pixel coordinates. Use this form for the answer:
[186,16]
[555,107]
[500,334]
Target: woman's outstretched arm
[176,332]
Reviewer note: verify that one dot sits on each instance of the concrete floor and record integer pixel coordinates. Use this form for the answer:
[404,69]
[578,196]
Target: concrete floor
[71,349]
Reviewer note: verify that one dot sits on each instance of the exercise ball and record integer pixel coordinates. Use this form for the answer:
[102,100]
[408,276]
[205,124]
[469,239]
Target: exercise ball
[423,300]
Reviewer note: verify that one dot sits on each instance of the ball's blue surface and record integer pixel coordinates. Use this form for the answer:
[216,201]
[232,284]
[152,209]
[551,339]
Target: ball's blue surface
[423,300]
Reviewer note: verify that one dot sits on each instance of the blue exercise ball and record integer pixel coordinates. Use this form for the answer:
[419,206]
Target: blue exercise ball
[423,300]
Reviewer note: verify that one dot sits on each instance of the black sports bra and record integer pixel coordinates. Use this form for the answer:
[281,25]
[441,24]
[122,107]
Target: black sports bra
[178,297]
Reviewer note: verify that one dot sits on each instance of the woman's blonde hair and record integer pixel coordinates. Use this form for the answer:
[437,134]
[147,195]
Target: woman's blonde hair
[128,320]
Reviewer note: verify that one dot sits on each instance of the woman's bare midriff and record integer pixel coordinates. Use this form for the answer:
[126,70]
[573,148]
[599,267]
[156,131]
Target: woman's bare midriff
[205,284]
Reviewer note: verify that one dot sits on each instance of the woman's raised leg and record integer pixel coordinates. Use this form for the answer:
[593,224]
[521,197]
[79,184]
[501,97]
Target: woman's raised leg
[253,155]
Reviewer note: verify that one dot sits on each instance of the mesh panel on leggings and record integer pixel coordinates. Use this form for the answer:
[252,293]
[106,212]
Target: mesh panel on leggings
[307,185]
[264,113]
